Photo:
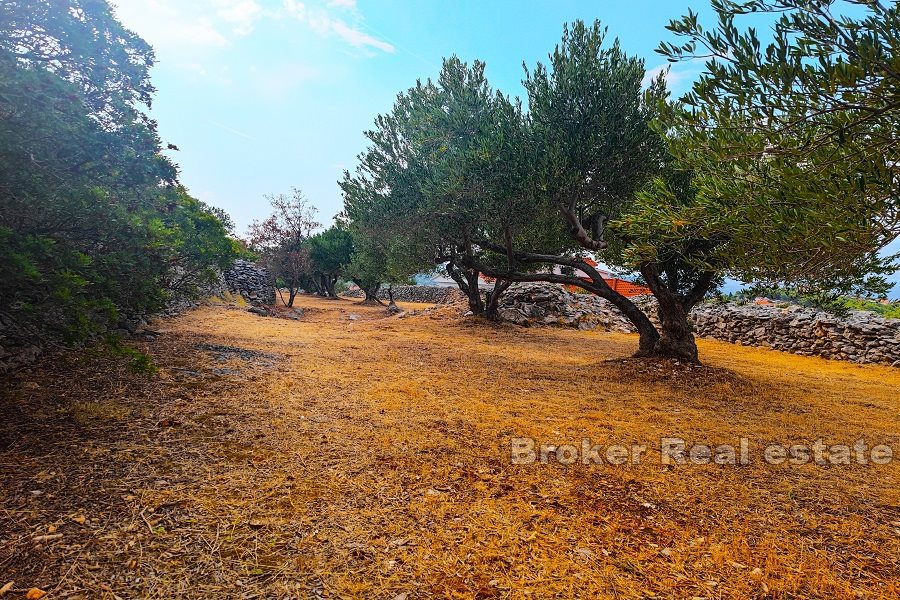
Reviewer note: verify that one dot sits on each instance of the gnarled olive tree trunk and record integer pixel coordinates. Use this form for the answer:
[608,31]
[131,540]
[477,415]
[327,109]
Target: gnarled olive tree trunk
[674,309]
[492,299]
[326,283]
[467,281]
[674,339]
[370,292]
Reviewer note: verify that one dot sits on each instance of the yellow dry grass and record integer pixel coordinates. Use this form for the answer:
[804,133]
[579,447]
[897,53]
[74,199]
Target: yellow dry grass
[373,460]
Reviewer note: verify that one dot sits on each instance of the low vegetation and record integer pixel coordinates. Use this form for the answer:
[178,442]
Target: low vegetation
[888,311]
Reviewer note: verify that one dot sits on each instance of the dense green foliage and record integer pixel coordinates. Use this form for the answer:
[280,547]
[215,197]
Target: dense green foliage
[93,222]
[793,143]
[330,252]
[425,186]
[368,267]
[889,311]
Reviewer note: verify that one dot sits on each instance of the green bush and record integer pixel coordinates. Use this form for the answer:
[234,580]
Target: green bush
[889,311]
[93,222]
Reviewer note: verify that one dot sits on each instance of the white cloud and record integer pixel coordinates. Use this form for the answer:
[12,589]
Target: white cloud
[179,29]
[165,26]
[175,24]
[319,21]
[323,23]
[679,76]
[295,9]
[241,14]
[357,38]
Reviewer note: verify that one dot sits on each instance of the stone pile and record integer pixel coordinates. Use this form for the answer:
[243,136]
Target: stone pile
[549,304]
[424,294]
[250,281]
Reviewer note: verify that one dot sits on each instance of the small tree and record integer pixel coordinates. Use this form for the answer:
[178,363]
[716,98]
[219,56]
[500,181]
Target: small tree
[383,198]
[426,180]
[281,241]
[197,238]
[329,254]
[367,269]
[382,252]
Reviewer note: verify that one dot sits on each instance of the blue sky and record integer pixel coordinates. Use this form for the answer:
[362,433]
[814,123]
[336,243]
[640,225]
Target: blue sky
[264,95]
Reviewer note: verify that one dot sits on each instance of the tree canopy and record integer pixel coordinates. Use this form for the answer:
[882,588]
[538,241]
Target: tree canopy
[80,41]
[793,142]
[330,252]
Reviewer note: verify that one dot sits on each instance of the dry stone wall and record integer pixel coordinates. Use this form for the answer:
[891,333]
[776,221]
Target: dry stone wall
[548,304]
[416,293]
[861,337]
[250,281]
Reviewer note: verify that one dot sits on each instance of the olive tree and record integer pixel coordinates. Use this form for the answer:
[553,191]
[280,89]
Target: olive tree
[793,143]
[330,252]
[430,176]
[591,149]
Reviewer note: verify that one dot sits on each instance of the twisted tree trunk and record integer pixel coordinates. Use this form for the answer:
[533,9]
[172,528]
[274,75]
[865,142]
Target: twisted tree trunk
[327,283]
[677,339]
[467,281]
[370,292]
[492,299]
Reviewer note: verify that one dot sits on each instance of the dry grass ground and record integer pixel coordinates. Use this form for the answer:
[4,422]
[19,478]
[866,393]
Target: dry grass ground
[349,455]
